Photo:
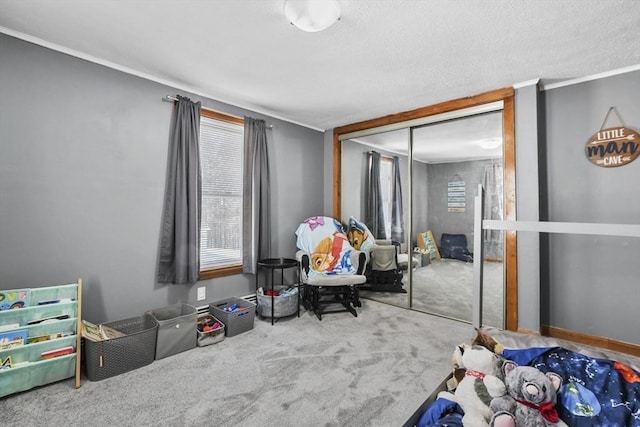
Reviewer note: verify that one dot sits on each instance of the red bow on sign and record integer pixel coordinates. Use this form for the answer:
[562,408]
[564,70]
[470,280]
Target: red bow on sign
[547,409]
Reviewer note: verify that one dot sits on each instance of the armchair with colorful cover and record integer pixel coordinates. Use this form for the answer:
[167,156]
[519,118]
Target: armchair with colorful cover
[331,270]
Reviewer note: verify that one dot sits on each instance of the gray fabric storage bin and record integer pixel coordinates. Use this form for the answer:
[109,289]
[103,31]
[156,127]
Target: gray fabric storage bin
[283,305]
[238,321]
[105,359]
[176,329]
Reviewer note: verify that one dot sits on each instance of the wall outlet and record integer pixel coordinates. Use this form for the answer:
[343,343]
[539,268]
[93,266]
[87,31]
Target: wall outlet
[202,292]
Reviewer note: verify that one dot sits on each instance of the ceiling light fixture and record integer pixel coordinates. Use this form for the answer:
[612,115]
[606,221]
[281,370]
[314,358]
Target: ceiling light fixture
[312,15]
[490,143]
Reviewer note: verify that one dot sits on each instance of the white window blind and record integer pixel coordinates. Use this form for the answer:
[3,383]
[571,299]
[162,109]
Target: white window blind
[221,146]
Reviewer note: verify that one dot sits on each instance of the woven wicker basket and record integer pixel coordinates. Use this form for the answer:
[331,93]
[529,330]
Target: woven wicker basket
[115,356]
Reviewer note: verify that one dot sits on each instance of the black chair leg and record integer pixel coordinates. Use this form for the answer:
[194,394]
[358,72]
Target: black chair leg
[356,296]
[317,297]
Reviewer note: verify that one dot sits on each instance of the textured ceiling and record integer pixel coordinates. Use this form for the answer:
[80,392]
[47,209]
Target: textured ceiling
[467,138]
[382,57]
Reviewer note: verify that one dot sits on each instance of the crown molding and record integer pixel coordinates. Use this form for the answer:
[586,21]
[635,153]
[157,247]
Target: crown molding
[146,76]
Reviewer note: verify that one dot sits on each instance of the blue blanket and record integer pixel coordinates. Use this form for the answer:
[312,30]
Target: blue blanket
[595,392]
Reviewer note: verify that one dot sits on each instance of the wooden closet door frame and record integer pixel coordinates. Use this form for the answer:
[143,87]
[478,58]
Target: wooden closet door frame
[506,95]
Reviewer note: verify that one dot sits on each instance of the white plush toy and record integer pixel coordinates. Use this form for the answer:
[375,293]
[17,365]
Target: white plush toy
[483,381]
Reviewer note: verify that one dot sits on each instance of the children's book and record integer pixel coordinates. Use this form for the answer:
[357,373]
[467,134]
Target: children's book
[48,337]
[11,339]
[17,298]
[48,319]
[56,353]
[91,331]
[110,333]
[6,363]
[99,332]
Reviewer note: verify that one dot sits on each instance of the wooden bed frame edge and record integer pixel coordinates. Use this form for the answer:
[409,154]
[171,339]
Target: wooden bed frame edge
[592,340]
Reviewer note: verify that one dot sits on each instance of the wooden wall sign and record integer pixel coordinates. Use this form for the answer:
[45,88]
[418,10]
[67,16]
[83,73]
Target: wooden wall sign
[456,195]
[613,147]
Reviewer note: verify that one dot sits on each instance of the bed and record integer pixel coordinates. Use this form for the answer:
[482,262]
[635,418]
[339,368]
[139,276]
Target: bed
[600,387]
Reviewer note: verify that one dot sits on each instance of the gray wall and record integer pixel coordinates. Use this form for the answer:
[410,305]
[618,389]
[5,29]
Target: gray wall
[353,178]
[593,281]
[328,173]
[528,204]
[440,219]
[83,151]
[420,203]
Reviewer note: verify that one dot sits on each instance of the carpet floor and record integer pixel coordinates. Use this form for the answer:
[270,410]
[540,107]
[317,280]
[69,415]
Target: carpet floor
[373,370]
[445,287]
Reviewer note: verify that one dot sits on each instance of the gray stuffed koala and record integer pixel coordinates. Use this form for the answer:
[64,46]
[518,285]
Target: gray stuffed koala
[530,400]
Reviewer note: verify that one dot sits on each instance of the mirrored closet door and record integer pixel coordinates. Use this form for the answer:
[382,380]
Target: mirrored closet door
[375,180]
[426,165]
[449,160]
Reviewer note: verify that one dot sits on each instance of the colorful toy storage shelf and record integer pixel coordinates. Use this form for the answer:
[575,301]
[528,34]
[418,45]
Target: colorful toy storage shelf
[39,336]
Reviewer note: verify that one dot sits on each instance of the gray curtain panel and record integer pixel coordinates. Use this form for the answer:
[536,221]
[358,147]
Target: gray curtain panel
[179,258]
[397,212]
[256,212]
[374,214]
[493,209]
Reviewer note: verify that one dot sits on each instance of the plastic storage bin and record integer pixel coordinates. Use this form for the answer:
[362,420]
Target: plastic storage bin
[283,305]
[112,357]
[209,337]
[176,329]
[236,322]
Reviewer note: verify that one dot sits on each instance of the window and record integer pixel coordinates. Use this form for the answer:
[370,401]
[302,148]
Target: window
[386,188]
[221,148]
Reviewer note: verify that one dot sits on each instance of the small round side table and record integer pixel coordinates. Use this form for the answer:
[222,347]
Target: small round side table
[281,264]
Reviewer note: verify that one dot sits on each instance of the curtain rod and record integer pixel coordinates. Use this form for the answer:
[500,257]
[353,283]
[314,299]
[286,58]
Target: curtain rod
[169,98]
[384,156]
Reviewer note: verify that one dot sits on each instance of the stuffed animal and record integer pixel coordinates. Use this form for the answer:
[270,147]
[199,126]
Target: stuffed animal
[482,340]
[487,341]
[483,380]
[530,400]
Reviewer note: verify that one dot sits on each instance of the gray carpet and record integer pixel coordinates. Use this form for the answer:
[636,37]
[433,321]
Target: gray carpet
[373,370]
[445,288]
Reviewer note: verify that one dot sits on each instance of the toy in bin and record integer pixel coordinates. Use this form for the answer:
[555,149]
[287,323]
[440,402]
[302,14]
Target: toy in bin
[233,308]
[210,330]
[208,324]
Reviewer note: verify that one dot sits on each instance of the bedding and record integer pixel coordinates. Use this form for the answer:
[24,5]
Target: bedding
[600,387]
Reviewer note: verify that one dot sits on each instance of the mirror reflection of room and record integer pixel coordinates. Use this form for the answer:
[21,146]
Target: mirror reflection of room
[452,158]
[374,188]
[448,161]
